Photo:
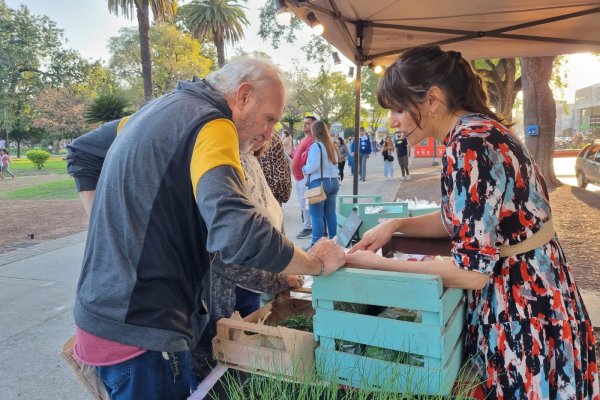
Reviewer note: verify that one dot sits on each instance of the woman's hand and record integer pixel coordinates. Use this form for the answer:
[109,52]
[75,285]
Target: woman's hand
[376,237]
[295,281]
[362,259]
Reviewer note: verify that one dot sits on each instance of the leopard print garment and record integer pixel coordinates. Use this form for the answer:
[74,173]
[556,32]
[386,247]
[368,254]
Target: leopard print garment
[276,167]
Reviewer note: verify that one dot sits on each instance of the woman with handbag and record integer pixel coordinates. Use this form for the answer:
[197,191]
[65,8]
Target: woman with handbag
[387,151]
[321,171]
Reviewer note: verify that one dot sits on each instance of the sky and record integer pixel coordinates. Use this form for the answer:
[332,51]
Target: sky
[88,25]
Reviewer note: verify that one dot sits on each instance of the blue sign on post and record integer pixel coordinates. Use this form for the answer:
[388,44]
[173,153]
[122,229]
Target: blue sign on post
[533,130]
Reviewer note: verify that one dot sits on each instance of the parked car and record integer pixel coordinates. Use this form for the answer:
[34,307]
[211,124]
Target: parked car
[587,165]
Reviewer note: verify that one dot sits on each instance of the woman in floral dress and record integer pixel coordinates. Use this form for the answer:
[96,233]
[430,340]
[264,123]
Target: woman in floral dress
[528,331]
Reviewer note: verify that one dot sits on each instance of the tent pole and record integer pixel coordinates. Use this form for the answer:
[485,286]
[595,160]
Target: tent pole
[355,167]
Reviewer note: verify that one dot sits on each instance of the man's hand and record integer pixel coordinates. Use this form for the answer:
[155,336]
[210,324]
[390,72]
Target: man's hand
[295,281]
[376,237]
[330,254]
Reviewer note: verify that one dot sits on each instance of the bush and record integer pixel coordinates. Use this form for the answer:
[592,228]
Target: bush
[107,107]
[38,157]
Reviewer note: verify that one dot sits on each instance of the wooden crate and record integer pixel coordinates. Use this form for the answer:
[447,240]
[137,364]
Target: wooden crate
[436,341]
[251,346]
[417,246]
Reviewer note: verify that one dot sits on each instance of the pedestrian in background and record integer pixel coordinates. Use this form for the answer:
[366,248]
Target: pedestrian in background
[299,160]
[387,151]
[364,150]
[402,152]
[321,169]
[343,149]
[288,144]
[350,146]
[5,163]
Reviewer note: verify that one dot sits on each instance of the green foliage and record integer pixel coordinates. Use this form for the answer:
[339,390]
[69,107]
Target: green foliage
[219,21]
[60,113]
[327,96]
[55,190]
[38,157]
[32,60]
[176,56]
[53,165]
[107,107]
[348,132]
[269,29]
[300,322]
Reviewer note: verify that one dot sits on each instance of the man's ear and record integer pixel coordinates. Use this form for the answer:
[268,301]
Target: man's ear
[243,95]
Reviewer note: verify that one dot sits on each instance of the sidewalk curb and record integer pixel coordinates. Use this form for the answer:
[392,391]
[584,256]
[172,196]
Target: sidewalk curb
[24,253]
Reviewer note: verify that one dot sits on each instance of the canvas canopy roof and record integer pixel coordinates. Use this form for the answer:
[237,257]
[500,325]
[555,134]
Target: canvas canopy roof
[378,31]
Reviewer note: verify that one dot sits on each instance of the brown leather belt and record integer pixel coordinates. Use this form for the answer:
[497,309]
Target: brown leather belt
[541,237]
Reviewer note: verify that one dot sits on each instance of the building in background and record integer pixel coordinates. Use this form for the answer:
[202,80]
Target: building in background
[586,110]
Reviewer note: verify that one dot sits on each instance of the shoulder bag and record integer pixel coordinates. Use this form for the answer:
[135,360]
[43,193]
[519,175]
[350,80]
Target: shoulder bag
[317,194]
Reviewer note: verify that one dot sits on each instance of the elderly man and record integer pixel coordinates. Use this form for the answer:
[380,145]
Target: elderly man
[166,191]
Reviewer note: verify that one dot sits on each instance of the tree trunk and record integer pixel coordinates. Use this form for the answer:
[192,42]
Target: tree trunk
[510,87]
[539,109]
[220,45]
[143,18]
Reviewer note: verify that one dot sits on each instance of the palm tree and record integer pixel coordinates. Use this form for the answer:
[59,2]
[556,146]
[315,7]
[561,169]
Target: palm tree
[216,20]
[162,10]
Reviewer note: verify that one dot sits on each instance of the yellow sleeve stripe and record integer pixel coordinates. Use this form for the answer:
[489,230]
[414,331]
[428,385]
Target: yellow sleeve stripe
[121,124]
[216,145]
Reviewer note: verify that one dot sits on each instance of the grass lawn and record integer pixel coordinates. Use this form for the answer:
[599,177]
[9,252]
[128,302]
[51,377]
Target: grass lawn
[24,167]
[63,189]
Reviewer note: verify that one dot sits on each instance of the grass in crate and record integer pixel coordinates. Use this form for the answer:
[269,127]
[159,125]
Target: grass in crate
[300,322]
[236,385]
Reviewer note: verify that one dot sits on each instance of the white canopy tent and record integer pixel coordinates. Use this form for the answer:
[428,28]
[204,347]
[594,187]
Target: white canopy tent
[377,31]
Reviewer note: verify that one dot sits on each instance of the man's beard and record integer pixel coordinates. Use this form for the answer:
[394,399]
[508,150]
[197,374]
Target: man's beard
[245,137]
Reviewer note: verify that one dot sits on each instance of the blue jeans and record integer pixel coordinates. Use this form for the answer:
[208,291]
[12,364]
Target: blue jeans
[324,212]
[246,301]
[388,169]
[150,377]
[363,166]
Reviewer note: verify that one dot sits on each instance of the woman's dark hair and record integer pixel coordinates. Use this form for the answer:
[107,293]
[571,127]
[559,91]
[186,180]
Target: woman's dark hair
[405,83]
[340,140]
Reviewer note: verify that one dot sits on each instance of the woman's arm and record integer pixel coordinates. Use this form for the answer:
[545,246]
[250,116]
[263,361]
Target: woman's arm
[423,226]
[451,275]
[313,161]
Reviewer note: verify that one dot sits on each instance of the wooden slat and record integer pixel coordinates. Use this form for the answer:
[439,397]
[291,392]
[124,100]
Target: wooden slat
[236,354]
[453,330]
[451,299]
[368,373]
[384,288]
[403,336]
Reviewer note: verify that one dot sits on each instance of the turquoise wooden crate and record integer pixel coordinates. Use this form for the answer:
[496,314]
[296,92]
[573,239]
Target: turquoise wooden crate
[423,211]
[345,202]
[390,210]
[435,343]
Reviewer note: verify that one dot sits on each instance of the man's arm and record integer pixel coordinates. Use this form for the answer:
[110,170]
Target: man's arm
[235,229]
[85,155]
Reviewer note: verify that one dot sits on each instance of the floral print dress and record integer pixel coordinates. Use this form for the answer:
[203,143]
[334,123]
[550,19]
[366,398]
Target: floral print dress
[527,330]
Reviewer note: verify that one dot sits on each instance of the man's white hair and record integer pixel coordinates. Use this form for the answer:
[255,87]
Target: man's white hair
[258,73]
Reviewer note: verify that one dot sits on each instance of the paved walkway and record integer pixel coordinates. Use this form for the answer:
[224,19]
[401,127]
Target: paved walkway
[37,286]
